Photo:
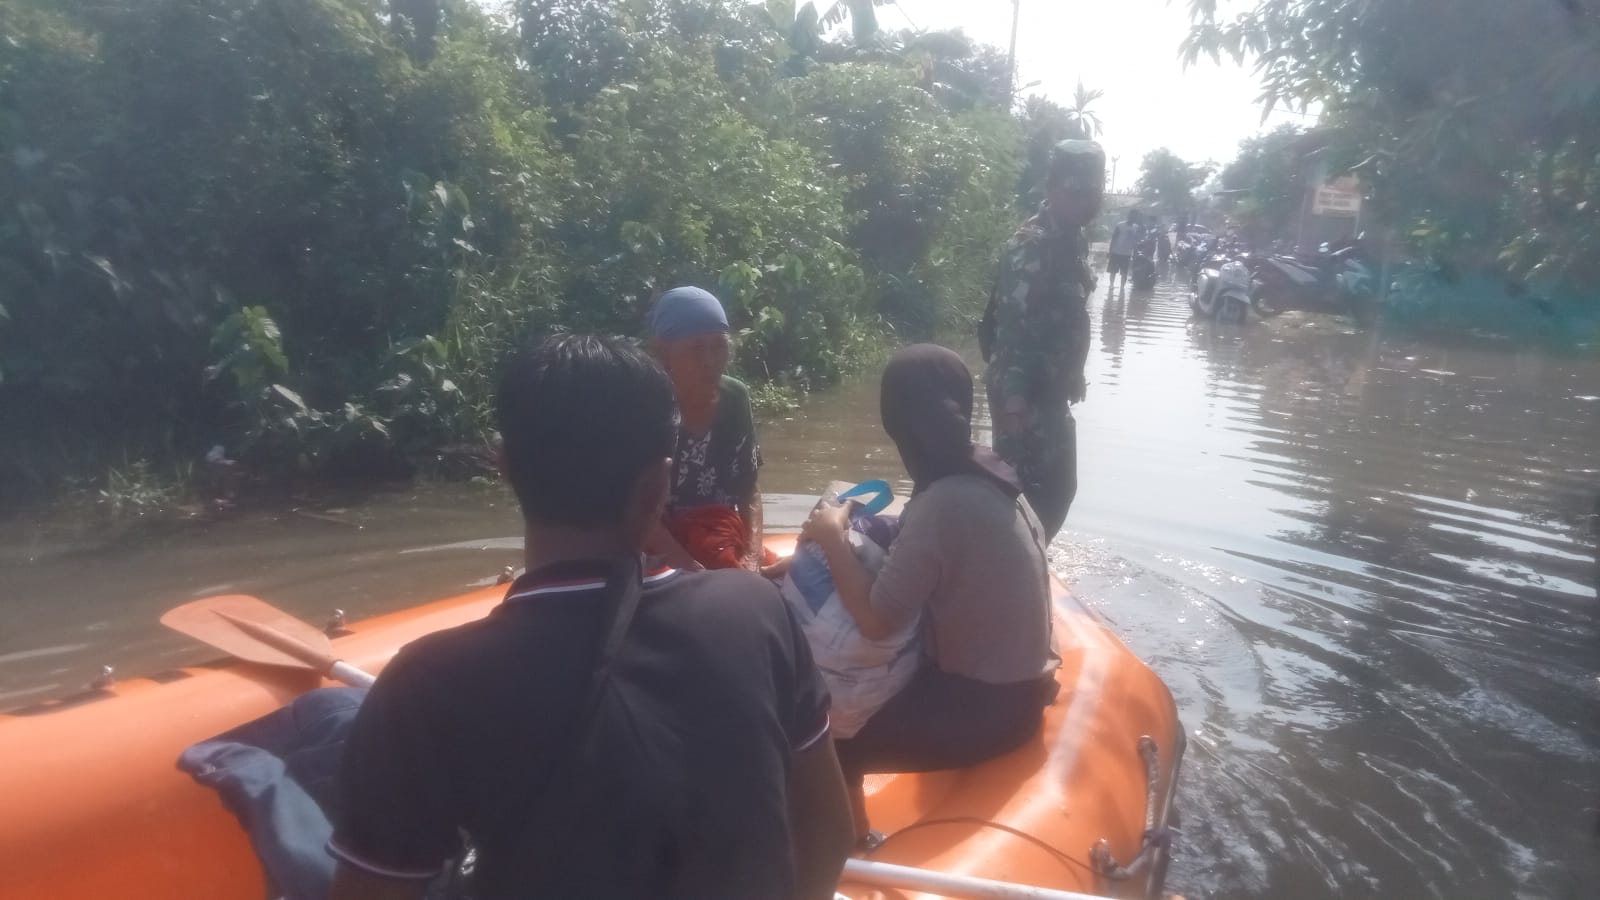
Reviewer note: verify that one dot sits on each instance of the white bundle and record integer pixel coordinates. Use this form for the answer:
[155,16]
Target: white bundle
[861,674]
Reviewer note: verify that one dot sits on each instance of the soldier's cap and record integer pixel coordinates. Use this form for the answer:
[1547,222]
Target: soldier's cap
[1078,164]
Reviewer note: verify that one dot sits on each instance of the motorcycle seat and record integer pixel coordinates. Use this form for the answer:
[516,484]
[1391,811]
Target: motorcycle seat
[1296,271]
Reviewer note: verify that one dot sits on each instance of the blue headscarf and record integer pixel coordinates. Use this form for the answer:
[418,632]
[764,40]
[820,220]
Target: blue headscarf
[686,312]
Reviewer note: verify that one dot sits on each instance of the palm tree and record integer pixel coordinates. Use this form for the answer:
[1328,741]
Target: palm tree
[1079,117]
[799,26]
[863,20]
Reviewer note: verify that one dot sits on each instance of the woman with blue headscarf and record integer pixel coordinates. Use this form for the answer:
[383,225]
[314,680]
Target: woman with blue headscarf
[713,516]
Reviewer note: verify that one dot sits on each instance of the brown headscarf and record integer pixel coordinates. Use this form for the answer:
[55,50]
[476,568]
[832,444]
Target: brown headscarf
[926,404]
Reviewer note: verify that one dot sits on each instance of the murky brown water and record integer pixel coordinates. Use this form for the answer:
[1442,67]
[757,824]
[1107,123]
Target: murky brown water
[1359,562]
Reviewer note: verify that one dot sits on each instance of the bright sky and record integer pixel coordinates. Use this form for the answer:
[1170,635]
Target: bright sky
[1127,48]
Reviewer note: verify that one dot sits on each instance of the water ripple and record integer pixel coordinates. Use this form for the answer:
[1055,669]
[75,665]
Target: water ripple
[1362,565]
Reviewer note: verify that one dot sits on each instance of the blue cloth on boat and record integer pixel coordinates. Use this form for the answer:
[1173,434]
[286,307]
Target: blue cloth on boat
[276,774]
[686,312]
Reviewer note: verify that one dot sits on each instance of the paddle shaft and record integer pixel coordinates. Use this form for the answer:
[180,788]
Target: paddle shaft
[966,887]
[342,671]
[324,663]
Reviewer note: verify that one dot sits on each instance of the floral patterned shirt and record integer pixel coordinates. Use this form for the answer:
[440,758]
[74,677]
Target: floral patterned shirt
[719,467]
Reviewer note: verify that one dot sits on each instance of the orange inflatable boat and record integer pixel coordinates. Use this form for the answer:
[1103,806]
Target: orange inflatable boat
[93,806]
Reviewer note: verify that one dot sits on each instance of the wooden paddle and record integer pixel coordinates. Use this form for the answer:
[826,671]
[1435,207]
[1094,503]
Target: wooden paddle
[256,631]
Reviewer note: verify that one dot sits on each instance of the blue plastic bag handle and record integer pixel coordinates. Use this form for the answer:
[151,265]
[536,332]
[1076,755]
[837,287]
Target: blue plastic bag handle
[884,496]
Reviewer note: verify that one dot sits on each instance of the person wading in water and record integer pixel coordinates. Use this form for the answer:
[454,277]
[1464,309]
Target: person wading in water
[1035,334]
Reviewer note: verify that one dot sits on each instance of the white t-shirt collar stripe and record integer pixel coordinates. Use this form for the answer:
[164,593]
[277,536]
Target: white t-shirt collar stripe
[588,584]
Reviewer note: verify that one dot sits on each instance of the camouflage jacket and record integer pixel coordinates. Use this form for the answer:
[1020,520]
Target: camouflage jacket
[1041,317]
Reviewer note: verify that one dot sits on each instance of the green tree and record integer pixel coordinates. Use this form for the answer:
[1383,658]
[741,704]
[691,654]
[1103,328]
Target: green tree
[917,176]
[800,27]
[1085,121]
[1044,124]
[1170,183]
[862,15]
[1476,123]
[312,168]
[723,204]
[310,229]
[962,73]
[1270,171]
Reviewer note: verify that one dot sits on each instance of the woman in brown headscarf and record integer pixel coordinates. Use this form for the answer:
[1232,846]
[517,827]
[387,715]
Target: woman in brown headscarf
[970,562]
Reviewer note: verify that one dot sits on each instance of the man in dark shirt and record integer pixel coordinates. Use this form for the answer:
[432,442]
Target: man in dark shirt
[696,764]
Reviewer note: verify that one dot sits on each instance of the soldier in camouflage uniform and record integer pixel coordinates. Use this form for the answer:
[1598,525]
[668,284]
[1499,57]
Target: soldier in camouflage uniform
[1036,333]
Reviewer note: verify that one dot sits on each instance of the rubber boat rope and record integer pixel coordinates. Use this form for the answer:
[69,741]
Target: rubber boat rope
[1060,855]
[1101,862]
[1154,839]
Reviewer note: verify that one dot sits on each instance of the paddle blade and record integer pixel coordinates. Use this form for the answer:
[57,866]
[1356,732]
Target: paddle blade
[253,630]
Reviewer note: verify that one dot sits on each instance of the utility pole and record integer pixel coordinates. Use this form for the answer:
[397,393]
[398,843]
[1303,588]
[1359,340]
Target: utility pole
[1011,57]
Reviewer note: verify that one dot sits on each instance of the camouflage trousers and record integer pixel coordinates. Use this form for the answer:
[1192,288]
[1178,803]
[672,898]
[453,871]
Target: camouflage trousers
[1041,442]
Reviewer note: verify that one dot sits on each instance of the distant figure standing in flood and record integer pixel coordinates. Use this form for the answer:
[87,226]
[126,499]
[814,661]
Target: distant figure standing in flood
[1125,239]
[1035,335]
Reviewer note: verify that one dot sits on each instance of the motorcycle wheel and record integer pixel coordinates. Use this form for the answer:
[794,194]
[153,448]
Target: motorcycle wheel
[1204,305]
[1264,305]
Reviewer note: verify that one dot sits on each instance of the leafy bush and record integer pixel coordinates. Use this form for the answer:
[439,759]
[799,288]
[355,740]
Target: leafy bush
[176,162]
[674,185]
[929,191]
[309,230]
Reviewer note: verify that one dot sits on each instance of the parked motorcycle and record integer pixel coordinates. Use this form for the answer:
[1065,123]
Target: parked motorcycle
[1334,281]
[1211,253]
[1142,272]
[1191,250]
[1222,290]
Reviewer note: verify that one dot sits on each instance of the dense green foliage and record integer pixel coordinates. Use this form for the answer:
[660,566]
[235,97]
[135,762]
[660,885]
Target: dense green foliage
[307,230]
[1475,123]
[1269,176]
[1169,183]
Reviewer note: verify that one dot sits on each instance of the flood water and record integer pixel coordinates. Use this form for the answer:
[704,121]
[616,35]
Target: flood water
[1361,562]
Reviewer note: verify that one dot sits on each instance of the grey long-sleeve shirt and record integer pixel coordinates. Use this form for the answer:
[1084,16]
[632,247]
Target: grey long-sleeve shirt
[972,560]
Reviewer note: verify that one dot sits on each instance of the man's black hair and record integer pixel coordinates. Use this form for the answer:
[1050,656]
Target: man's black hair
[581,418]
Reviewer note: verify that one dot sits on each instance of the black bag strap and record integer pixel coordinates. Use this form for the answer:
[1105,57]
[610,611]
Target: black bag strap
[625,584]
[622,593]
